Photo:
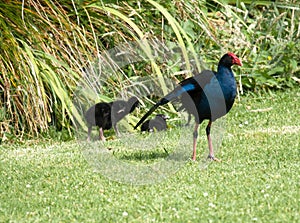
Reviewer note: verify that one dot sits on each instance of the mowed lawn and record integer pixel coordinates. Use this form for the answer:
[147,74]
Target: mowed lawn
[257,180]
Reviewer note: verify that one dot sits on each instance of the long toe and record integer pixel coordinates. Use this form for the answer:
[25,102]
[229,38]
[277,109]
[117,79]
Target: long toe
[192,159]
[212,158]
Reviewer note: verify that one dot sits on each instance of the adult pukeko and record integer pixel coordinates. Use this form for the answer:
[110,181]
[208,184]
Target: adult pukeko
[208,95]
[159,123]
[107,115]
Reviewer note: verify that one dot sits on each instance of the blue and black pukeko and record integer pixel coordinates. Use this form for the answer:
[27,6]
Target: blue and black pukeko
[159,123]
[107,115]
[208,95]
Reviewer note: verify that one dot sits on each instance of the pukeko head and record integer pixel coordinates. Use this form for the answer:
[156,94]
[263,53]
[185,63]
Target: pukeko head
[230,59]
[133,103]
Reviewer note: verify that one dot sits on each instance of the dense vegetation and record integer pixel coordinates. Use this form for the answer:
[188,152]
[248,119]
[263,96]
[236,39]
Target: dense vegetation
[47,47]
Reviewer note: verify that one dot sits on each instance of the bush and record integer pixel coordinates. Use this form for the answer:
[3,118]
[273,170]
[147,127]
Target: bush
[47,46]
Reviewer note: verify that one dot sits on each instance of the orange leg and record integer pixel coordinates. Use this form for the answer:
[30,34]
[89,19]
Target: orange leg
[101,135]
[195,136]
[116,129]
[210,146]
[89,133]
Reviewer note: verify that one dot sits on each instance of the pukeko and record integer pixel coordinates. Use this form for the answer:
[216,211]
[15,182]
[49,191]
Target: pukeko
[159,123]
[208,95]
[107,115]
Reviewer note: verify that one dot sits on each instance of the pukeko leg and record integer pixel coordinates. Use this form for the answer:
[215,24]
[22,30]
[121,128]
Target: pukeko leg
[195,136]
[89,133]
[116,129]
[101,135]
[189,120]
[210,146]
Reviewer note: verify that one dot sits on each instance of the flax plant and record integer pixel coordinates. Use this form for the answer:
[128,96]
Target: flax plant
[53,51]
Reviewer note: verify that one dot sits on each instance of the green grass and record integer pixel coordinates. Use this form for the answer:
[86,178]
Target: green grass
[257,180]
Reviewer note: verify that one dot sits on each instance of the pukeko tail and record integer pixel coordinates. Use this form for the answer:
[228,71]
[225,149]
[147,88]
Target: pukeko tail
[208,95]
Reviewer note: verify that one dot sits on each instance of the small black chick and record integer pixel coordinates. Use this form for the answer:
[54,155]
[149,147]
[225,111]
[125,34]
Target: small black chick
[159,123]
[107,115]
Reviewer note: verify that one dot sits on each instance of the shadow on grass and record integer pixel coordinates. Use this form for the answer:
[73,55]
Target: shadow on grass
[142,155]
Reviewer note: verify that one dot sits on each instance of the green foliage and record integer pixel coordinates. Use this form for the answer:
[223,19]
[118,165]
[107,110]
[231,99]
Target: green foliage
[46,46]
[39,66]
[274,56]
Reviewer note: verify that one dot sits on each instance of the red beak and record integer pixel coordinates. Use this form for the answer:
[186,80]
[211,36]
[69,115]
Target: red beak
[237,61]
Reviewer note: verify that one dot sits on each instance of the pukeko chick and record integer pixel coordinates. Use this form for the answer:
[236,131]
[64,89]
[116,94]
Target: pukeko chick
[107,115]
[208,95]
[159,123]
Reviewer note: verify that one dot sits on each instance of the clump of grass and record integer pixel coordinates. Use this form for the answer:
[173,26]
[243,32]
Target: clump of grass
[49,47]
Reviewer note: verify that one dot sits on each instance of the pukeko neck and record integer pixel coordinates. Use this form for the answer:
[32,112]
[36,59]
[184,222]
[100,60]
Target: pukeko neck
[208,95]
